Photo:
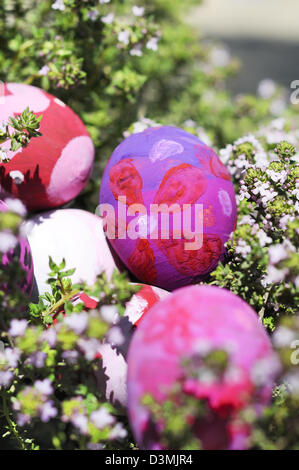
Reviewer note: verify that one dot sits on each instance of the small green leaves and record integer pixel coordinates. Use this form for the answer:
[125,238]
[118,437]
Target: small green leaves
[25,127]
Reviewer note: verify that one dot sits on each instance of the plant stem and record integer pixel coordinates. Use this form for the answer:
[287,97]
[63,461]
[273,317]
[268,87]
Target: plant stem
[11,425]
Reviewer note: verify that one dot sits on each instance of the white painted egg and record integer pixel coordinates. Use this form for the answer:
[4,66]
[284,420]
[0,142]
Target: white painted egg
[72,234]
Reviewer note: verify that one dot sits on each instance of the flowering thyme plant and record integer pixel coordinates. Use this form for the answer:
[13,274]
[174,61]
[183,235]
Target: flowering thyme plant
[263,260]
[49,365]
[125,67]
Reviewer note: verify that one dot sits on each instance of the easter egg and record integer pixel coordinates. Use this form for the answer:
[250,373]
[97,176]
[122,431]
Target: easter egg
[72,234]
[172,348]
[17,256]
[112,375]
[169,206]
[53,168]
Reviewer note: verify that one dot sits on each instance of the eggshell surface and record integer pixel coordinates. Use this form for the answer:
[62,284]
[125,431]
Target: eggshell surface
[161,168]
[72,234]
[54,167]
[177,328]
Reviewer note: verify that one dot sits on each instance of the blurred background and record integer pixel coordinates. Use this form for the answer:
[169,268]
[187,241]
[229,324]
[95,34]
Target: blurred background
[263,34]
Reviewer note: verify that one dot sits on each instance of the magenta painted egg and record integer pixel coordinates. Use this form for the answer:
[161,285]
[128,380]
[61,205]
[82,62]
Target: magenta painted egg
[172,347]
[72,234]
[19,254]
[112,375]
[53,168]
[169,206]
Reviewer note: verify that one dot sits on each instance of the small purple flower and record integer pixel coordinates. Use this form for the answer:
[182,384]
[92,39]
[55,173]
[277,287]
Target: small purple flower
[50,337]
[37,359]
[92,14]
[118,432]
[44,386]
[17,327]
[70,356]
[102,418]
[12,356]
[23,419]
[78,322]
[6,377]
[80,421]
[43,72]
[90,347]
[47,411]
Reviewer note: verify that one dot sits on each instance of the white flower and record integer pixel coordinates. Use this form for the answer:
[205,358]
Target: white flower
[15,205]
[246,219]
[115,336]
[44,386]
[118,432]
[12,356]
[58,5]
[44,71]
[17,327]
[124,37]
[78,322]
[263,237]
[266,88]
[275,275]
[265,370]
[81,422]
[17,176]
[109,313]
[277,253]
[49,336]
[242,248]
[136,51]
[284,221]
[7,242]
[137,11]
[102,418]
[283,337]
[90,347]
[278,106]
[219,57]
[92,14]
[108,19]
[292,379]
[152,44]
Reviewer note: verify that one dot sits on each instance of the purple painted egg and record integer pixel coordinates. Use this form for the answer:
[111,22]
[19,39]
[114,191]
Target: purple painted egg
[172,347]
[19,253]
[53,168]
[72,234]
[169,206]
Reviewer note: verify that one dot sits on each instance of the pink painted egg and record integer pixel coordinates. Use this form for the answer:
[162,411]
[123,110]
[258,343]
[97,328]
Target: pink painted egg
[170,357]
[15,252]
[53,168]
[72,234]
[169,206]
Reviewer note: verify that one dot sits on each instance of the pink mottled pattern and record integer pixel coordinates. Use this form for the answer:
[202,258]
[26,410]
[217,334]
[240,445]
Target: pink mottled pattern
[56,166]
[174,328]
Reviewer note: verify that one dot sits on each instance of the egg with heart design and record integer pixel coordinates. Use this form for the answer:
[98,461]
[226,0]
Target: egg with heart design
[169,206]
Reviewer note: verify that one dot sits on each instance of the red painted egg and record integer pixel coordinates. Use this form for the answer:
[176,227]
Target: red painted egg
[53,168]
